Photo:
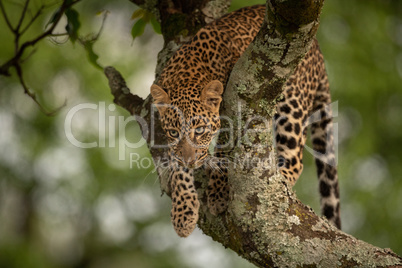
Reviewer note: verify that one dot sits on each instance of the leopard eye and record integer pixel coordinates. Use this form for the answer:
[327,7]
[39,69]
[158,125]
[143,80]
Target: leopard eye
[199,130]
[173,133]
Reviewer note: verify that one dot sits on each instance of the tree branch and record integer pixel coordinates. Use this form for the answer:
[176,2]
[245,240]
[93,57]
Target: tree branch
[264,222]
[17,59]
[122,96]
[284,39]
[3,11]
[34,17]
[24,11]
[4,68]
[32,95]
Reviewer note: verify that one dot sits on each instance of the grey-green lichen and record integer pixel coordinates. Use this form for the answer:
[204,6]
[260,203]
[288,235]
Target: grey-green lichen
[144,111]
[268,108]
[214,9]
[270,223]
[242,88]
[293,219]
[286,250]
[252,86]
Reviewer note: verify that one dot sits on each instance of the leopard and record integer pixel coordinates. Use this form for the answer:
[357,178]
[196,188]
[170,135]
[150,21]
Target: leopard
[188,96]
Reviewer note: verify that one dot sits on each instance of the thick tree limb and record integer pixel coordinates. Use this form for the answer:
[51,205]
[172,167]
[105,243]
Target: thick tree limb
[121,92]
[284,39]
[265,223]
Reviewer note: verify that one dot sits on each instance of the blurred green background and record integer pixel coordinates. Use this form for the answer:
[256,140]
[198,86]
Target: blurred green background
[64,206]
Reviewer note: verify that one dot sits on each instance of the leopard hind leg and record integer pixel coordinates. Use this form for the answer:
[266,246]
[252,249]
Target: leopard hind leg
[218,187]
[289,133]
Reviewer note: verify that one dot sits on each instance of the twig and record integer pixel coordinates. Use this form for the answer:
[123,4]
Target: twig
[5,17]
[27,57]
[102,25]
[4,69]
[93,37]
[32,19]
[59,34]
[24,11]
[53,38]
[63,7]
[32,95]
[16,60]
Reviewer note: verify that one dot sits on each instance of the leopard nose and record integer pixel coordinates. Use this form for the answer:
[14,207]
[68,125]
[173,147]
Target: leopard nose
[189,162]
[194,162]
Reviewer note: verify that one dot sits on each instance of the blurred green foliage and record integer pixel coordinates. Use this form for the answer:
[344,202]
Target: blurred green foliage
[63,206]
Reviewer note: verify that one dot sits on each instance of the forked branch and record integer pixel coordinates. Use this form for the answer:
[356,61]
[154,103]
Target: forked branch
[17,59]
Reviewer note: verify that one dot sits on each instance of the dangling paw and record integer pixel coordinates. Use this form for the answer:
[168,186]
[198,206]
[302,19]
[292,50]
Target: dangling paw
[184,213]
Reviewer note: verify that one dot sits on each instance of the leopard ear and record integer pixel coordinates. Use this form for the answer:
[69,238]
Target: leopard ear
[161,98]
[211,95]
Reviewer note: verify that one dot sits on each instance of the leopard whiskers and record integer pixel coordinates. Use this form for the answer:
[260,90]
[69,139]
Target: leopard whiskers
[212,161]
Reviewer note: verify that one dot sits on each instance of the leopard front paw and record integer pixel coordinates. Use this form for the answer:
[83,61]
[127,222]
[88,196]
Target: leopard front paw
[184,215]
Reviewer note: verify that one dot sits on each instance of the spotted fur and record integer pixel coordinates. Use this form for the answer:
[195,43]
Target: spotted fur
[188,96]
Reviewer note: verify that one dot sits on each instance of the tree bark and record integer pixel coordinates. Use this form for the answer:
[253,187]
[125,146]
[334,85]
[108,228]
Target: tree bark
[264,222]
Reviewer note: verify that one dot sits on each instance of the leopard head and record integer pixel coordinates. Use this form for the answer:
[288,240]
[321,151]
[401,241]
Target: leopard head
[190,121]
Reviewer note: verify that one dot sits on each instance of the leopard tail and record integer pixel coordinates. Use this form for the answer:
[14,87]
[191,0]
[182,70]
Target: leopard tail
[323,140]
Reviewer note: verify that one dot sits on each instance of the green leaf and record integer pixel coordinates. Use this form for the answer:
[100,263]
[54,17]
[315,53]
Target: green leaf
[92,56]
[138,28]
[139,13]
[156,25]
[73,24]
